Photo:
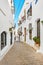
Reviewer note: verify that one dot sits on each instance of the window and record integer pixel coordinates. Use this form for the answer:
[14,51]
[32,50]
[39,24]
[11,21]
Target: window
[30,31]
[11,38]
[25,34]
[3,40]
[30,9]
[36,1]
[29,12]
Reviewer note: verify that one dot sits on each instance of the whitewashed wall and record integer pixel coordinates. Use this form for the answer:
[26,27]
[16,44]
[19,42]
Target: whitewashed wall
[6,21]
[37,12]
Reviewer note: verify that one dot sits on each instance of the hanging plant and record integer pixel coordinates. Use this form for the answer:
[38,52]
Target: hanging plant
[42,21]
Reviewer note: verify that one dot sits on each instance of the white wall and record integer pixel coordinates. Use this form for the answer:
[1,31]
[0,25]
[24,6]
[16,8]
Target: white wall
[37,12]
[6,21]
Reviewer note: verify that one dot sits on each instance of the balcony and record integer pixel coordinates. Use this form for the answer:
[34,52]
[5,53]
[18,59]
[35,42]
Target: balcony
[12,9]
[23,18]
[19,23]
[20,31]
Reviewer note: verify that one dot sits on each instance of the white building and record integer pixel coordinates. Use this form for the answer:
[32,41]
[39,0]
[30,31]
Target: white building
[31,21]
[6,28]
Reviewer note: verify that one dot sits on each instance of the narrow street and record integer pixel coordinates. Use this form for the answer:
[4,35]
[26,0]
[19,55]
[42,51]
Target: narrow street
[22,54]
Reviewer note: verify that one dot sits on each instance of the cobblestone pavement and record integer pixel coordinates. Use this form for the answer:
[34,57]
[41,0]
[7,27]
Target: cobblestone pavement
[22,54]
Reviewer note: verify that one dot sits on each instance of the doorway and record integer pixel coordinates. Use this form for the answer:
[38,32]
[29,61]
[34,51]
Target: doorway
[3,40]
[30,31]
[25,34]
[10,38]
[38,29]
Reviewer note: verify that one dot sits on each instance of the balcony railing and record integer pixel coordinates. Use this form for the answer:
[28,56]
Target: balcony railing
[20,22]
[19,33]
[12,9]
[23,18]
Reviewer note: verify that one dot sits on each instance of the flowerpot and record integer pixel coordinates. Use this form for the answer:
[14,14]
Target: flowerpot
[37,44]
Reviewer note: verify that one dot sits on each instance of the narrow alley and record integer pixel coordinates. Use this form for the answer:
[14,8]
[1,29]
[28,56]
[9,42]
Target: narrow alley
[22,54]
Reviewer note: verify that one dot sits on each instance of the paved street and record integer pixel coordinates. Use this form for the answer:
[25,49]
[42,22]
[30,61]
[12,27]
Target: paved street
[22,54]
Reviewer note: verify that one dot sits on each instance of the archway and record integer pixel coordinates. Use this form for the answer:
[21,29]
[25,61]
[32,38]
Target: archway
[3,39]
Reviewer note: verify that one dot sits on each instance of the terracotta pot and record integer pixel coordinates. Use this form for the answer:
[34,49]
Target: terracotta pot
[37,44]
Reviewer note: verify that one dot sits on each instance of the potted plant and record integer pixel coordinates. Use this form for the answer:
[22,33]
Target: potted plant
[36,40]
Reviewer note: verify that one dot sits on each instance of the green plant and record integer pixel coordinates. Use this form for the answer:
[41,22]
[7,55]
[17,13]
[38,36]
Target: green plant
[36,39]
[42,21]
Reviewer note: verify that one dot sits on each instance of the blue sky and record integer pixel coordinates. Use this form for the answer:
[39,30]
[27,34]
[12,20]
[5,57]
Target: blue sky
[18,6]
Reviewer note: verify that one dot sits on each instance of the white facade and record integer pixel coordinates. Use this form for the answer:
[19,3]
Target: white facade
[37,13]
[6,22]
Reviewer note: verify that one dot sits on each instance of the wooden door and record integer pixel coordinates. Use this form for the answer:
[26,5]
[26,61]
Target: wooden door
[25,34]
[38,28]
[10,37]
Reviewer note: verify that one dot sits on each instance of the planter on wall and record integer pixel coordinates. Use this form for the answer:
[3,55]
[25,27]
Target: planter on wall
[10,29]
[42,21]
